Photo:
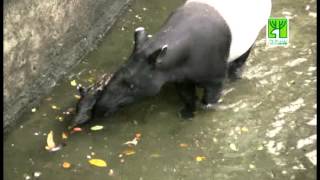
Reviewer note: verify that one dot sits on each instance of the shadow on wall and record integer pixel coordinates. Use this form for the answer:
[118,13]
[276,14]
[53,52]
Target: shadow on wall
[43,40]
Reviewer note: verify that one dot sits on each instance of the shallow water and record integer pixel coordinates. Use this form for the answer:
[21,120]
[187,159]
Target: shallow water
[263,129]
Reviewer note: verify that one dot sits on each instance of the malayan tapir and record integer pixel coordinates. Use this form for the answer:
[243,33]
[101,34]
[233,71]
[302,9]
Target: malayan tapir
[201,43]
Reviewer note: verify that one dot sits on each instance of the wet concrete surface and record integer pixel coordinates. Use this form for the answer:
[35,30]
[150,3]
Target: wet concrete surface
[264,127]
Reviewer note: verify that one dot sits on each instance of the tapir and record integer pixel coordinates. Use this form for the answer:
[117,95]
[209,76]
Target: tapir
[200,45]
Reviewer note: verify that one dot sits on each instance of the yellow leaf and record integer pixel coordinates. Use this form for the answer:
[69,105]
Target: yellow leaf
[244,129]
[50,142]
[96,128]
[200,158]
[77,96]
[98,162]
[73,83]
[129,152]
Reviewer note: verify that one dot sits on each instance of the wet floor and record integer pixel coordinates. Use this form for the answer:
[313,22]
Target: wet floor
[264,128]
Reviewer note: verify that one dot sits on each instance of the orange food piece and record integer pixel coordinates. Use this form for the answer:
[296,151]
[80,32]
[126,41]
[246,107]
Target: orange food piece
[183,145]
[138,135]
[66,165]
[77,129]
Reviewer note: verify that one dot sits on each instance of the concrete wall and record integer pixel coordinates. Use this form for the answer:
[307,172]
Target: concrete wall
[43,39]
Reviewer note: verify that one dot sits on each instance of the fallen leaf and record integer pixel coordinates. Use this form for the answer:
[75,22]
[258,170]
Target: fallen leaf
[54,107]
[183,145]
[244,129]
[96,128]
[98,162]
[133,142]
[77,96]
[64,135]
[128,152]
[73,83]
[200,158]
[50,143]
[33,110]
[66,165]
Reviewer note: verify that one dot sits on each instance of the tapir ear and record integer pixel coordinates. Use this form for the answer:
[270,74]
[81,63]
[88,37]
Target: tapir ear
[140,36]
[81,90]
[155,57]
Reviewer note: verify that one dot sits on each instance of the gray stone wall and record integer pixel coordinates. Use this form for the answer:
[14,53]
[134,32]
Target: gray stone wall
[43,39]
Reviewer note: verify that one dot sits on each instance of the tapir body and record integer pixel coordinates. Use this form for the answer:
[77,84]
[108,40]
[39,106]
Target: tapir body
[201,43]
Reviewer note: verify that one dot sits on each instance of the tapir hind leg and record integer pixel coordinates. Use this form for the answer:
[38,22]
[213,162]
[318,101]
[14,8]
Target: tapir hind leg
[187,93]
[235,68]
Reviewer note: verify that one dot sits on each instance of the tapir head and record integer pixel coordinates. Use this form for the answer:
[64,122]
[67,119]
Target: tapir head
[137,78]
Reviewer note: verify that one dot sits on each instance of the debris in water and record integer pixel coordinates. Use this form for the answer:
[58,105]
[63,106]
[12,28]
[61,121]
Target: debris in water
[128,152]
[96,128]
[73,83]
[251,166]
[183,145]
[233,147]
[111,173]
[200,158]
[77,129]
[64,135]
[133,142]
[66,165]
[98,162]
[50,143]
[37,174]
[54,107]
[244,129]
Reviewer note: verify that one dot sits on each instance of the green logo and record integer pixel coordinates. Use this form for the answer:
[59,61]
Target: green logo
[278,32]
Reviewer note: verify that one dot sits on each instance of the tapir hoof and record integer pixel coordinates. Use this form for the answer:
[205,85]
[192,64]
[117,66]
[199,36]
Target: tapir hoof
[186,114]
[209,106]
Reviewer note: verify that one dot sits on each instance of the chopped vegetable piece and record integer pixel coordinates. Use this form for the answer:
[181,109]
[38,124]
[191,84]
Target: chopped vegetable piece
[66,165]
[64,135]
[138,135]
[183,145]
[77,129]
[98,162]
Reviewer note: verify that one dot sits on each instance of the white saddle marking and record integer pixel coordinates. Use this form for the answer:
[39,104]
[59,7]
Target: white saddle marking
[245,18]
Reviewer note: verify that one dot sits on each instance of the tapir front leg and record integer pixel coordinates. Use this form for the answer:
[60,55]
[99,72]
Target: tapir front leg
[212,94]
[187,93]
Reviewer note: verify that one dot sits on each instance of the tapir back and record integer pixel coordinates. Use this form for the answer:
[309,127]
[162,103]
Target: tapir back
[245,19]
